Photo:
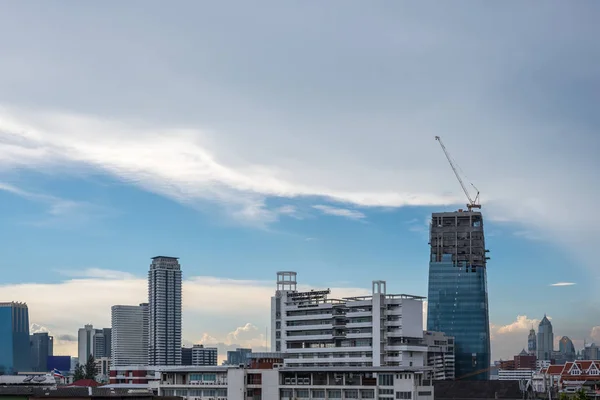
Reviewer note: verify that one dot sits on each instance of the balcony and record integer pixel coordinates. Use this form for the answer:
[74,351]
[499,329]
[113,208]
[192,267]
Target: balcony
[308,327]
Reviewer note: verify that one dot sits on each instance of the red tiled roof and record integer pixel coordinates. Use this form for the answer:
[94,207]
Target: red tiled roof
[555,369]
[85,383]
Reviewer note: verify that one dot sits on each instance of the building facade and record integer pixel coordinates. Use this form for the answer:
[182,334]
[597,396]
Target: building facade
[93,342]
[283,383]
[129,335]
[440,355]
[204,355]
[591,352]
[545,340]
[312,330]
[566,350]
[164,298]
[457,295]
[186,356]
[15,354]
[238,356]
[42,346]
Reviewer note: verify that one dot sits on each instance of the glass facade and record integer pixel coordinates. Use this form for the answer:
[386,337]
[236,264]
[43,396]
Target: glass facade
[458,306]
[15,354]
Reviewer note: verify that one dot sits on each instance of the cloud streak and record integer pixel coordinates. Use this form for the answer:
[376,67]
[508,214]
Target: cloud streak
[559,284]
[340,212]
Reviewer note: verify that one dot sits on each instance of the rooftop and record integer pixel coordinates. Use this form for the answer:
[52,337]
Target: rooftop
[170,258]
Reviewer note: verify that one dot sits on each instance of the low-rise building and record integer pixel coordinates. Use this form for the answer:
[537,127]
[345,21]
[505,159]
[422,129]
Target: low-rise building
[204,355]
[516,374]
[440,355]
[286,383]
[132,375]
[570,377]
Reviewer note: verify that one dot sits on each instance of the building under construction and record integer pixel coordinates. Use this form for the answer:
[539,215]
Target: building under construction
[457,295]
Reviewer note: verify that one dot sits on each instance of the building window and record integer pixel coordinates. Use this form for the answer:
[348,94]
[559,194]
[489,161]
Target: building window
[351,394]
[287,393]
[427,393]
[386,380]
[318,394]
[404,395]
[386,391]
[367,394]
[302,393]
[334,394]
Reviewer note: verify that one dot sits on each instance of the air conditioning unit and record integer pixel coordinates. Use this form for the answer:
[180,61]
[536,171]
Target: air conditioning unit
[276,366]
[288,381]
[293,381]
[307,381]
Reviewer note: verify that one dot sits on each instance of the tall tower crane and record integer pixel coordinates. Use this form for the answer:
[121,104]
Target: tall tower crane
[473,203]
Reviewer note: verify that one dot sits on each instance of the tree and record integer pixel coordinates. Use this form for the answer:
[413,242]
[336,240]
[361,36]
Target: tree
[90,369]
[581,394]
[79,372]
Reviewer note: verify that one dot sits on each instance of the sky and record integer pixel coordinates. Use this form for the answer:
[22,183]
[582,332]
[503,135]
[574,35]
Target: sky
[248,138]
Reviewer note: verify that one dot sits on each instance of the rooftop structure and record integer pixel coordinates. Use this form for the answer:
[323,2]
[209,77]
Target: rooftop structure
[314,330]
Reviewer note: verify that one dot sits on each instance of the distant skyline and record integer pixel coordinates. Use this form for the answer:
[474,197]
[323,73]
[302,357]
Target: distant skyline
[295,136]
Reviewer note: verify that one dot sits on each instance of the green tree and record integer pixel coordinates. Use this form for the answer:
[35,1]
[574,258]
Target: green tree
[581,394]
[90,369]
[79,372]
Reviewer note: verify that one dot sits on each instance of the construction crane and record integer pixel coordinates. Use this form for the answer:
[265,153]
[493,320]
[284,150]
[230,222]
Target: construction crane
[473,203]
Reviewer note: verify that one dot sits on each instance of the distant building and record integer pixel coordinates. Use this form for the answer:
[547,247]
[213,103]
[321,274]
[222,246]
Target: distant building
[440,355]
[532,342]
[204,355]
[102,369]
[238,357]
[515,374]
[15,353]
[129,335]
[545,340]
[591,352]
[186,356]
[94,342]
[525,361]
[41,348]
[164,298]
[566,350]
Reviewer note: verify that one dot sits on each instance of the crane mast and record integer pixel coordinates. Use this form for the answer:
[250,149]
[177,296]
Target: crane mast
[473,203]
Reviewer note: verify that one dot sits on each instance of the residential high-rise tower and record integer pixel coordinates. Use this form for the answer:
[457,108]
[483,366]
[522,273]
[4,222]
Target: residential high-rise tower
[129,335]
[458,299]
[15,353]
[164,298]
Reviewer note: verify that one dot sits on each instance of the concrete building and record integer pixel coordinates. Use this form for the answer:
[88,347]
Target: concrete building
[532,342]
[186,356]
[94,342]
[102,369]
[15,354]
[204,355]
[164,298]
[129,335]
[515,374]
[312,330]
[457,299]
[440,355]
[238,357]
[272,381]
[41,345]
[545,340]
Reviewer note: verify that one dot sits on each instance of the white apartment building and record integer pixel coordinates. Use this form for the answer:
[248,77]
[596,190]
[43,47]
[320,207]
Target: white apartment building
[204,355]
[95,342]
[312,330]
[129,335]
[521,374]
[282,383]
[164,298]
[440,355]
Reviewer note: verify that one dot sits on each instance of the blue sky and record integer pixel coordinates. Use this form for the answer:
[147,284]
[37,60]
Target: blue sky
[296,136]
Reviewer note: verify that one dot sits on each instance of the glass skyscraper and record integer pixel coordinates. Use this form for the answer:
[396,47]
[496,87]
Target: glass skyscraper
[457,298]
[15,355]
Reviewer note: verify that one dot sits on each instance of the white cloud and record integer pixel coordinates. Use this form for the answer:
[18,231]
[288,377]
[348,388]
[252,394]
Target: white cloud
[96,273]
[62,308]
[563,284]
[340,212]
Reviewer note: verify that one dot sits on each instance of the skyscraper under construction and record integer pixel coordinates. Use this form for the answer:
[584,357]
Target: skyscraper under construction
[457,299]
